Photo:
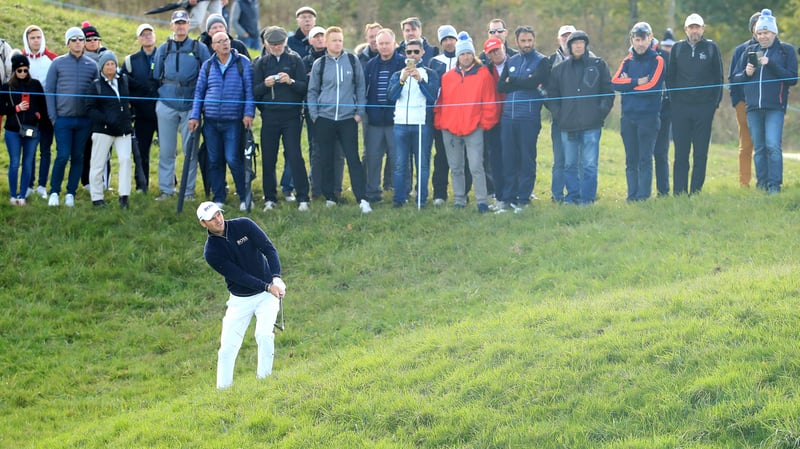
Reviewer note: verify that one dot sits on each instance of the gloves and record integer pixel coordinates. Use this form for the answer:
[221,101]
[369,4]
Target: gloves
[278,282]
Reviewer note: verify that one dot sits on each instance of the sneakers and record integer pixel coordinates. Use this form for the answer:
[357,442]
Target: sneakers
[534,197]
[163,197]
[483,208]
[123,202]
[269,205]
[99,203]
[303,207]
[20,201]
[289,197]
[364,206]
[53,201]
[188,198]
[438,202]
[13,201]
[330,203]
[42,192]
[243,206]
[69,200]
[29,192]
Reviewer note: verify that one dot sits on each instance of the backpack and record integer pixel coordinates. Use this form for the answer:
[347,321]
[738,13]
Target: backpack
[195,52]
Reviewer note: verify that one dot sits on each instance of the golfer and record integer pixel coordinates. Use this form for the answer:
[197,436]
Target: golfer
[241,252]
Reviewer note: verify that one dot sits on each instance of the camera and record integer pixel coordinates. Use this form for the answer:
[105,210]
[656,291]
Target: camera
[276,78]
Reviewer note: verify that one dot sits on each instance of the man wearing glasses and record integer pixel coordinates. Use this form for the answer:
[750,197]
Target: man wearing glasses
[414,91]
[224,95]
[68,81]
[497,30]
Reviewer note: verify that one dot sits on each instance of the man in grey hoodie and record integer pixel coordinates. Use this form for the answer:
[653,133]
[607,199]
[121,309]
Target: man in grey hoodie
[336,103]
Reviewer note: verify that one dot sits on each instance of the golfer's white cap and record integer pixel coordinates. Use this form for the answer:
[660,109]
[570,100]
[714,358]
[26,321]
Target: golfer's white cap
[206,210]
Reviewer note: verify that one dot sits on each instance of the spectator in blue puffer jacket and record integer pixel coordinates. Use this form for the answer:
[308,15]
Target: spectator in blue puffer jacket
[224,95]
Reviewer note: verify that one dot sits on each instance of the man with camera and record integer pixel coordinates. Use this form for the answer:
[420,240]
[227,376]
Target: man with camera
[414,90]
[767,69]
[279,85]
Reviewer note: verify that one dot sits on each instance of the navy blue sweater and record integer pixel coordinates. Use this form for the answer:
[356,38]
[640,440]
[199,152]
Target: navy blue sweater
[245,256]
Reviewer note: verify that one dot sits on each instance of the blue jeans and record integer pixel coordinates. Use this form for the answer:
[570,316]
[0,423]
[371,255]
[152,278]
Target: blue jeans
[71,134]
[406,145]
[24,150]
[581,152]
[519,138]
[558,182]
[639,137]
[766,130]
[223,142]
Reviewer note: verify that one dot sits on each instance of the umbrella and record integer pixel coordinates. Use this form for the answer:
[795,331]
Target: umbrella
[171,6]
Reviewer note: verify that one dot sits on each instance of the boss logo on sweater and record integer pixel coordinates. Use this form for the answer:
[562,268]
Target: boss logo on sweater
[242,241]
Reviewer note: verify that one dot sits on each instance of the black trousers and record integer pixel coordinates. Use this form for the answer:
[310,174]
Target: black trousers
[288,127]
[346,133]
[691,131]
[145,129]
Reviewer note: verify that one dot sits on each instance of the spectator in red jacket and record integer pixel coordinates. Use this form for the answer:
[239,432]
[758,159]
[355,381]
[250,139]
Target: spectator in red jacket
[465,109]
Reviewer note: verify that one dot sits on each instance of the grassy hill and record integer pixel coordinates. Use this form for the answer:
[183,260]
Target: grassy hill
[666,324]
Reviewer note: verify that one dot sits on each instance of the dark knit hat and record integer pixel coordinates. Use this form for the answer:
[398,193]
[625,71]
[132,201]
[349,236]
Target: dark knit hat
[753,19]
[89,30]
[19,60]
[577,35]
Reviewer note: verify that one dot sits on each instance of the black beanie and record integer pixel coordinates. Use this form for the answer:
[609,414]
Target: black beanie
[19,60]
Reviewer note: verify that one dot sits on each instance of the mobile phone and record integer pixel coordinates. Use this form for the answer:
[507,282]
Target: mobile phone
[411,63]
[752,58]
[26,97]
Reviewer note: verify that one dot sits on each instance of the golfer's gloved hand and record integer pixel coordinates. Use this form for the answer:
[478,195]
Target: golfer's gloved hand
[278,282]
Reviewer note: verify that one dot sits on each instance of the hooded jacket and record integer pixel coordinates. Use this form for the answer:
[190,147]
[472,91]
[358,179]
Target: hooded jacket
[41,60]
[224,96]
[467,101]
[640,99]
[581,93]
[342,93]
[768,88]
[737,90]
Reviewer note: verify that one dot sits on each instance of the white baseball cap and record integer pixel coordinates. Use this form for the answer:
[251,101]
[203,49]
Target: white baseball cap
[142,27]
[316,30]
[694,19]
[206,210]
[565,29]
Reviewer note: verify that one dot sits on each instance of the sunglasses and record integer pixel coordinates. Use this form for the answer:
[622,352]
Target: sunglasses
[22,70]
[93,39]
[499,30]
[76,39]
[412,52]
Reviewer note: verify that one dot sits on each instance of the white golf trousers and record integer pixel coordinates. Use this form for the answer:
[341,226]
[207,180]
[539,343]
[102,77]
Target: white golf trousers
[240,310]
